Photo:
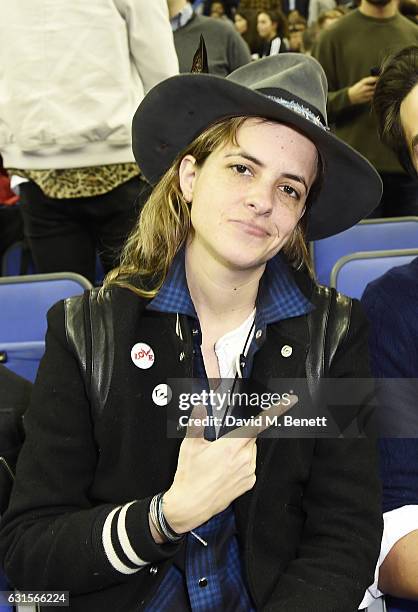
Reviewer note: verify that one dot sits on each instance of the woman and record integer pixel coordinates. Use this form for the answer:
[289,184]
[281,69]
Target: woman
[272,29]
[245,24]
[109,506]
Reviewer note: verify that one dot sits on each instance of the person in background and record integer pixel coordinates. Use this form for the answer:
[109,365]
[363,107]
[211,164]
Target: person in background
[15,397]
[241,22]
[217,11]
[328,18]
[351,53]
[391,304]
[67,101]
[214,284]
[309,37]
[299,6]
[273,30]
[297,26]
[228,7]
[226,50]
[316,7]
[246,25]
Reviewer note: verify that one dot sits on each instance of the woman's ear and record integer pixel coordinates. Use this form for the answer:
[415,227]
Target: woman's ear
[187,176]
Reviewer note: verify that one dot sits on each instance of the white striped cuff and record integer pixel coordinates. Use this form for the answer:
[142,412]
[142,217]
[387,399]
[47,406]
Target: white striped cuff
[108,540]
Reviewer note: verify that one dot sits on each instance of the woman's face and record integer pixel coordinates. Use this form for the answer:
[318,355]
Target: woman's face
[241,24]
[266,28]
[248,198]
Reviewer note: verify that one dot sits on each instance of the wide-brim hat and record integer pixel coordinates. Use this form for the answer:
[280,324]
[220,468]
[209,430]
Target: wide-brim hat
[289,88]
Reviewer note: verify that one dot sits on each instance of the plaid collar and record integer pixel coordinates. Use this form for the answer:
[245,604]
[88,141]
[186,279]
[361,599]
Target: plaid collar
[278,298]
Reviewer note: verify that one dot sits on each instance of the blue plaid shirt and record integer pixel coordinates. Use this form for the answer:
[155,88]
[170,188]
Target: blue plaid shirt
[213,579]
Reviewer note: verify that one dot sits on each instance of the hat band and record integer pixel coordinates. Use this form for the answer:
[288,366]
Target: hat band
[300,110]
[296,106]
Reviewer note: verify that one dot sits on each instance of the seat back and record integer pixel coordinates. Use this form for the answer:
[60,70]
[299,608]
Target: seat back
[24,301]
[368,235]
[17,259]
[352,273]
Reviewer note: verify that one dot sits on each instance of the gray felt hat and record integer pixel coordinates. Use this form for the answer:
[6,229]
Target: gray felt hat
[290,88]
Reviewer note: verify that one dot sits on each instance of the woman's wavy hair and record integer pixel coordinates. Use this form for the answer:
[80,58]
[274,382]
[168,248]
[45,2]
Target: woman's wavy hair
[164,222]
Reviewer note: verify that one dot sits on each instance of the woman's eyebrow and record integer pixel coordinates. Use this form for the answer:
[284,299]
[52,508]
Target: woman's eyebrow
[245,155]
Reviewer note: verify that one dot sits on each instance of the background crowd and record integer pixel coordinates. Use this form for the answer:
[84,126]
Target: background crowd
[86,194]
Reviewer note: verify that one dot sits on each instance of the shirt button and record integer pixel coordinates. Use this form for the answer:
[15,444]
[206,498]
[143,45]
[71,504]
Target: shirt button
[258,334]
[153,570]
[203,582]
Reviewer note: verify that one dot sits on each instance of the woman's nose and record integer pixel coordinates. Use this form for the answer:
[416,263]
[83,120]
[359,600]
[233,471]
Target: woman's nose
[260,200]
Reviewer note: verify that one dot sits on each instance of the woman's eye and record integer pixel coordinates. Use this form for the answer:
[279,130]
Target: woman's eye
[241,169]
[290,191]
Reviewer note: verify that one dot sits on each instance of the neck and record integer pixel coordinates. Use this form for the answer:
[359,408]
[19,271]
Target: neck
[175,6]
[379,12]
[223,298]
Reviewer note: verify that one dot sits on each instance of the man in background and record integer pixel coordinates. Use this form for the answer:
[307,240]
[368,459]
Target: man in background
[391,303]
[71,77]
[226,49]
[351,53]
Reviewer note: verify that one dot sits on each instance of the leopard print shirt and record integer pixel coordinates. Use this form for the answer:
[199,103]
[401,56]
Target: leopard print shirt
[79,182]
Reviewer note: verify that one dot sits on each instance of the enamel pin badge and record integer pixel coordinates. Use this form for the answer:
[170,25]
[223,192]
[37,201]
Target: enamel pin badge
[142,355]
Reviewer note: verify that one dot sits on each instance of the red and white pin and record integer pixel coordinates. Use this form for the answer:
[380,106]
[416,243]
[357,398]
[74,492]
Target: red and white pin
[142,355]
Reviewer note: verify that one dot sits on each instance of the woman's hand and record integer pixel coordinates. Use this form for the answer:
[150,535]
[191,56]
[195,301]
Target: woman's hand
[209,476]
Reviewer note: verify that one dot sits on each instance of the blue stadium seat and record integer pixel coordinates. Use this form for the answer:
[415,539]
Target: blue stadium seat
[4,587]
[25,301]
[368,235]
[352,273]
[11,264]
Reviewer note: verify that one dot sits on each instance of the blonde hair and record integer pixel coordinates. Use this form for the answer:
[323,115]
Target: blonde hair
[164,223]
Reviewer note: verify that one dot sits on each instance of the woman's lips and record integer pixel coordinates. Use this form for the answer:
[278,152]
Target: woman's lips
[251,228]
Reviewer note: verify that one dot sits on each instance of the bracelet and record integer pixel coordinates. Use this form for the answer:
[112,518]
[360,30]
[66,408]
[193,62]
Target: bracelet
[159,521]
[170,534]
[154,515]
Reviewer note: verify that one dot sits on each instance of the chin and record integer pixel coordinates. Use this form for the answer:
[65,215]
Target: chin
[243,261]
